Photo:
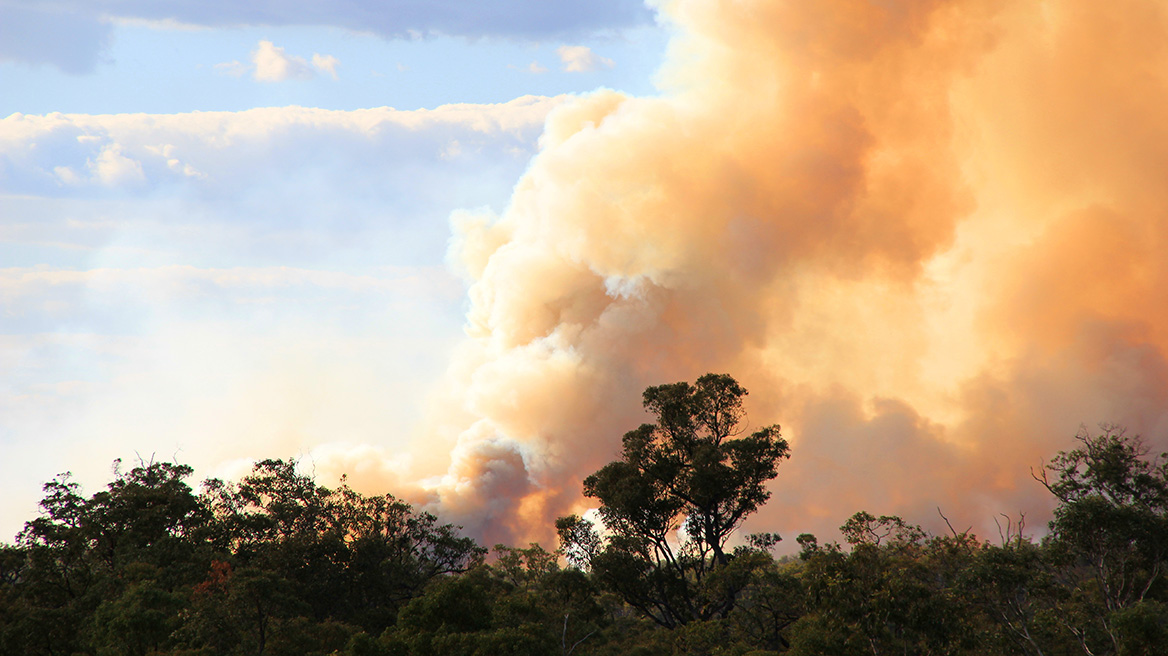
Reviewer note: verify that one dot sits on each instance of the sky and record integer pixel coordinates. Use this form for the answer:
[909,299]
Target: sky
[223,234]
[441,247]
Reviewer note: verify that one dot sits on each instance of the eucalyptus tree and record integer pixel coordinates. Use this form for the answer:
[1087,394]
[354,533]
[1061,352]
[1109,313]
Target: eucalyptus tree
[1110,533]
[683,485]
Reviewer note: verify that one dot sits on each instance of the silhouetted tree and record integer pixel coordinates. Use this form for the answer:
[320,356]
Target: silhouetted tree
[683,485]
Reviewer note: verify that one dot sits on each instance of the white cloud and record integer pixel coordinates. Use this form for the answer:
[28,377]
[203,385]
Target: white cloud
[272,64]
[536,68]
[326,64]
[67,175]
[112,168]
[581,59]
[233,68]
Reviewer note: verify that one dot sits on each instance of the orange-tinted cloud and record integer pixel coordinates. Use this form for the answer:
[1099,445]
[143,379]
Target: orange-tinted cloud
[927,236]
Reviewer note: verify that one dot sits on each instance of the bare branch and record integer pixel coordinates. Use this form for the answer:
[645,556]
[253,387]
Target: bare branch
[950,525]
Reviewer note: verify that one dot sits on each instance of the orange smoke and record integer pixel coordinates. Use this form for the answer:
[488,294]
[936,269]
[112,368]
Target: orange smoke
[928,236]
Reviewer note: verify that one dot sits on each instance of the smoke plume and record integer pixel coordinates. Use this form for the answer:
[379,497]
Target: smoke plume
[927,236]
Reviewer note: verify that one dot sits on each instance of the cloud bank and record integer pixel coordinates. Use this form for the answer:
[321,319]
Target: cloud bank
[927,236]
[221,154]
[222,286]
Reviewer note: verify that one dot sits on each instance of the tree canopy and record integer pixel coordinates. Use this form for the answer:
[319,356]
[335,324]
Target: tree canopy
[276,564]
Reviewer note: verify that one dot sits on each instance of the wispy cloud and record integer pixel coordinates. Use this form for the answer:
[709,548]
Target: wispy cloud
[326,64]
[233,68]
[581,59]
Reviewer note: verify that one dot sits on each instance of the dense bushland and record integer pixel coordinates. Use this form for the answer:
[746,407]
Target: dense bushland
[278,564]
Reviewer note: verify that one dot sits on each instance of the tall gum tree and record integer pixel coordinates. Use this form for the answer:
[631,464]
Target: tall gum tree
[683,485]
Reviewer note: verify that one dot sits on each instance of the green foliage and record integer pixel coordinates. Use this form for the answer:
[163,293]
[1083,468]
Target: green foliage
[140,620]
[277,565]
[862,529]
[891,594]
[118,556]
[351,558]
[480,612]
[1015,587]
[1110,537]
[1141,629]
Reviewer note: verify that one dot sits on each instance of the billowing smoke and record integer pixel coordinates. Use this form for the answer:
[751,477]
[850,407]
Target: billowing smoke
[929,237]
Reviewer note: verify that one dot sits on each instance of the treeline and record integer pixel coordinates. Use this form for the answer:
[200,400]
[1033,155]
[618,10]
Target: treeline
[277,564]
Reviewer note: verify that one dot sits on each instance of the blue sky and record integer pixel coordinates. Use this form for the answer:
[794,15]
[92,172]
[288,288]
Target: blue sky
[223,232]
[156,69]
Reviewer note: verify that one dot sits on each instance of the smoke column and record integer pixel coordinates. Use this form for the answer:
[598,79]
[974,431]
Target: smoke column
[929,237]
